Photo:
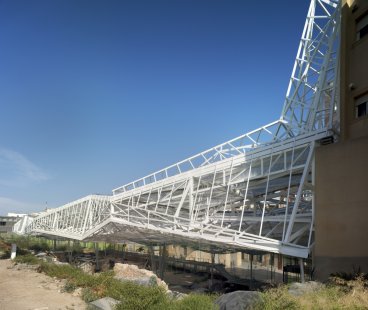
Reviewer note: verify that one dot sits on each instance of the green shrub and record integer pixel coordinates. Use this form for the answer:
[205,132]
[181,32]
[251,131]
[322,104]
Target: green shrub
[195,301]
[61,247]
[88,294]
[4,254]
[153,281]
[27,259]
[69,287]
[40,247]
[137,297]
[277,298]
[344,295]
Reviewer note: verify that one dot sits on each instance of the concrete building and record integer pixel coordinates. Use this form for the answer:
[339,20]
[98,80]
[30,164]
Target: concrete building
[341,180]
[7,223]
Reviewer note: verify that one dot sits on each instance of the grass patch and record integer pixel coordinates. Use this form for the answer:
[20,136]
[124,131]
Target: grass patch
[69,287]
[337,294]
[137,297]
[278,298]
[88,294]
[195,301]
[27,259]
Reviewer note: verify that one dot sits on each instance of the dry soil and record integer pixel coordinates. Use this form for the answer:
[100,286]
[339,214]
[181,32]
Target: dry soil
[22,288]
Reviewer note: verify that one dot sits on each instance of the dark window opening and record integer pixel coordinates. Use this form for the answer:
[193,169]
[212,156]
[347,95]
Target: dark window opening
[363,31]
[362,27]
[2,223]
[361,109]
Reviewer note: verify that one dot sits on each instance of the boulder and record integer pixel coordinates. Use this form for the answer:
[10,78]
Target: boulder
[106,303]
[238,300]
[126,272]
[298,289]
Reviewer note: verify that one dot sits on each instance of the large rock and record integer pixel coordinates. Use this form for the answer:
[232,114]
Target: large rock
[298,289]
[106,303]
[126,272]
[238,300]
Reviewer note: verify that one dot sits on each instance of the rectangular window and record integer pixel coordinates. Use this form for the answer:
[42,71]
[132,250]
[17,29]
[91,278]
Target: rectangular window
[361,106]
[2,223]
[362,109]
[362,27]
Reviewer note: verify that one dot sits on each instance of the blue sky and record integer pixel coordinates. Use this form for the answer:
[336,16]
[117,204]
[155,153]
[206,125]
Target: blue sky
[94,94]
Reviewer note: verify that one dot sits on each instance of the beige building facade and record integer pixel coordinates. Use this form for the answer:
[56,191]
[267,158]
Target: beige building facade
[341,169]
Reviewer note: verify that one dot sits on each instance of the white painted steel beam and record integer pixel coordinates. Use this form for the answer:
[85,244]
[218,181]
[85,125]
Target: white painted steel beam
[252,192]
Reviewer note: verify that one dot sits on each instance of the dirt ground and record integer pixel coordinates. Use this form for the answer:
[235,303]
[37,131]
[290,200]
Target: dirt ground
[22,288]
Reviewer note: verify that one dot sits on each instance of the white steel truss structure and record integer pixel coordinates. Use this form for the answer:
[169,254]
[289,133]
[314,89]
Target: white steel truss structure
[253,192]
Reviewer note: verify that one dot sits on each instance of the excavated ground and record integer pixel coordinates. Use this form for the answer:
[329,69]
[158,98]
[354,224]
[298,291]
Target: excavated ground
[23,288]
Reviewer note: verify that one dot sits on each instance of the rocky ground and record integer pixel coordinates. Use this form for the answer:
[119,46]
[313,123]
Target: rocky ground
[23,288]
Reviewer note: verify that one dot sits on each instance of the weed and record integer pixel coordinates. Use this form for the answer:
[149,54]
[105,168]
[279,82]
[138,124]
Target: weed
[69,287]
[88,294]
[40,247]
[195,301]
[27,259]
[277,298]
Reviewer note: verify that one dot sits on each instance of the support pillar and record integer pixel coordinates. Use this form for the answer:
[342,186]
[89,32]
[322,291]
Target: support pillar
[301,264]
[272,262]
[251,271]
[162,264]
[13,251]
[152,255]
[70,256]
[97,257]
[212,268]
[123,248]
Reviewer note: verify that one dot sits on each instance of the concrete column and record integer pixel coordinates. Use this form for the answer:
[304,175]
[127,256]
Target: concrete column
[152,256]
[212,267]
[123,249]
[301,264]
[272,262]
[162,264]
[13,251]
[69,252]
[97,257]
[251,271]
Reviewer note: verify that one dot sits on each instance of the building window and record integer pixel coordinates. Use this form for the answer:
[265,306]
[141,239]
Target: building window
[361,106]
[362,109]
[362,27]
[2,223]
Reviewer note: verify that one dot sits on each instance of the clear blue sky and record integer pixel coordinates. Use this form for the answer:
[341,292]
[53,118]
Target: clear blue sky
[95,94]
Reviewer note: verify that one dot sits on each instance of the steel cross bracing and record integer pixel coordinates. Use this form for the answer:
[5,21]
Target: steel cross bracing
[252,192]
